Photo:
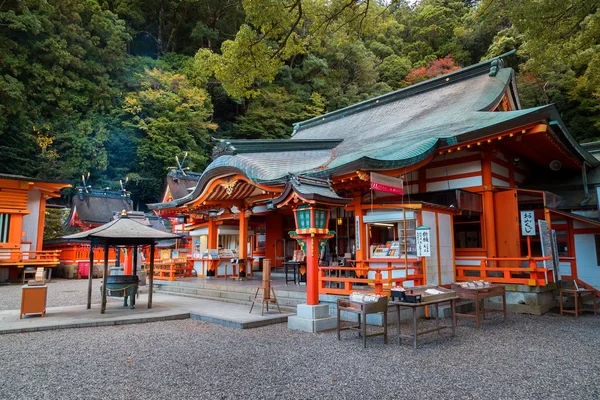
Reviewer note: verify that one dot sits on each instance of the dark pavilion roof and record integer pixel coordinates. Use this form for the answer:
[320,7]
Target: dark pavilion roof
[123,229]
[391,131]
[181,183]
[98,207]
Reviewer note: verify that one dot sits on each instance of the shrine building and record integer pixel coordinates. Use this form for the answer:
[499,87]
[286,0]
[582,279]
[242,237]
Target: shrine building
[22,215]
[445,180]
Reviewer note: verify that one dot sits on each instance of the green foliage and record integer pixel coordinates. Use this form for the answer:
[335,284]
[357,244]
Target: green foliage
[120,87]
[168,116]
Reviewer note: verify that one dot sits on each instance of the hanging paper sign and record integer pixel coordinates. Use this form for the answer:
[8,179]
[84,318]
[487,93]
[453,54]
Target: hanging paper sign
[423,242]
[357,232]
[387,184]
[527,223]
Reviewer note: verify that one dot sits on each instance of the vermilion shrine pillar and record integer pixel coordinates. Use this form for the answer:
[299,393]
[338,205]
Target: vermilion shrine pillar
[243,245]
[488,205]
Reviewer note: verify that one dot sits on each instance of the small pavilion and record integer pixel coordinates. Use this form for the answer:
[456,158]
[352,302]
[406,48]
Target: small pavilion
[121,232]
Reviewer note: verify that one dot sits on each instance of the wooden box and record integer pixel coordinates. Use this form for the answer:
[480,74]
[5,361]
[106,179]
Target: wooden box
[33,300]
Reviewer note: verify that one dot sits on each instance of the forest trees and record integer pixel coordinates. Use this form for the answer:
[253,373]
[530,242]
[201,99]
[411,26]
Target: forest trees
[120,87]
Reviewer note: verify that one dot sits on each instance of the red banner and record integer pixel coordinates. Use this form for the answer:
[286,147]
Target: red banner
[387,184]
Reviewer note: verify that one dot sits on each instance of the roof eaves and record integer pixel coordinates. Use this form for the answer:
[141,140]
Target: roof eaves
[556,123]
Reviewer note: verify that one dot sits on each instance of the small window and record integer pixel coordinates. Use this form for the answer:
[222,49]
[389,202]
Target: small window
[467,231]
[4,227]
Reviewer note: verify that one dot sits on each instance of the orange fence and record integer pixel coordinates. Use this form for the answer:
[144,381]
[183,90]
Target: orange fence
[28,257]
[170,269]
[72,254]
[531,275]
[329,276]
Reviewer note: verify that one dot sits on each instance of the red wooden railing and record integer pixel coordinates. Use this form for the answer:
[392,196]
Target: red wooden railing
[9,257]
[413,272]
[532,275]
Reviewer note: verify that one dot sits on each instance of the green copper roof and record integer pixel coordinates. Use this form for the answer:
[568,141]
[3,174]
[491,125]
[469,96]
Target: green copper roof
[391,131]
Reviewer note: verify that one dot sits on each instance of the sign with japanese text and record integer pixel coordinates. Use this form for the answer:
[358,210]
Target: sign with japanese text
[423,242]
[357,232]
[389,184]
[527,223]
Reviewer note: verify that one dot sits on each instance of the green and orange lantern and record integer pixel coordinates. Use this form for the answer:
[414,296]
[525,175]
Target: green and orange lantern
[312,233]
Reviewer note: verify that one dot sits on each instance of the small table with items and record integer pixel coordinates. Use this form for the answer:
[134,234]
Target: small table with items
[362,309]
[478,293]
[577,294]
[413,307]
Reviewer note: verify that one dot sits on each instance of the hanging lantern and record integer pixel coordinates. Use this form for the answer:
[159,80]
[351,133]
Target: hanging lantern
[311,219]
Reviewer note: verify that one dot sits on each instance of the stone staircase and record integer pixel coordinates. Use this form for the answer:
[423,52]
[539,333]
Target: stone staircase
[229,293]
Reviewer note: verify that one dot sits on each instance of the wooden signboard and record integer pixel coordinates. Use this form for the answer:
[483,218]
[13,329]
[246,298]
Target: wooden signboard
[423,242]
[527,223]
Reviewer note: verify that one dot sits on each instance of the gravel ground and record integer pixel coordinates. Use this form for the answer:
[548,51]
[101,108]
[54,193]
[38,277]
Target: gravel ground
[527,357]
[61,292]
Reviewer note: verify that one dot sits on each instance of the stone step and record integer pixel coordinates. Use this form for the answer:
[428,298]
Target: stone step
[225,295]
[284,307]
[240,292]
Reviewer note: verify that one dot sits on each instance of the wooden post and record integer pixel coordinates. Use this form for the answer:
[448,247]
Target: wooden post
[243,244]
[213,233]
[151,274]
[90,273]
[103,306]
[135,260]
[488,206]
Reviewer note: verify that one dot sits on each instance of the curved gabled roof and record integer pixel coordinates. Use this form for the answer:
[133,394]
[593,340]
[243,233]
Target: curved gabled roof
[391,131]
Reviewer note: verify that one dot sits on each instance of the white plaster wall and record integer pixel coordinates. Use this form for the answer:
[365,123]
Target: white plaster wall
[587,265]
[446,253]
[454,184]
[431,277]
[455,169]
[31,220]
[500,170]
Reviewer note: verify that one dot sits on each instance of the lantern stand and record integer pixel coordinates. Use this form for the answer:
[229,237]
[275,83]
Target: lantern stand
[311,233]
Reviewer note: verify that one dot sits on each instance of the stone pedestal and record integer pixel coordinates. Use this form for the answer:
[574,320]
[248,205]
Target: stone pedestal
[310,318]
[523,299]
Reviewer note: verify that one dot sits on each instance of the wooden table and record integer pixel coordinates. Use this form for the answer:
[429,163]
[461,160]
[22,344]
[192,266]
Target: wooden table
[478,295]
[414,307]
[577,293]
[33,300]
[362,309]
